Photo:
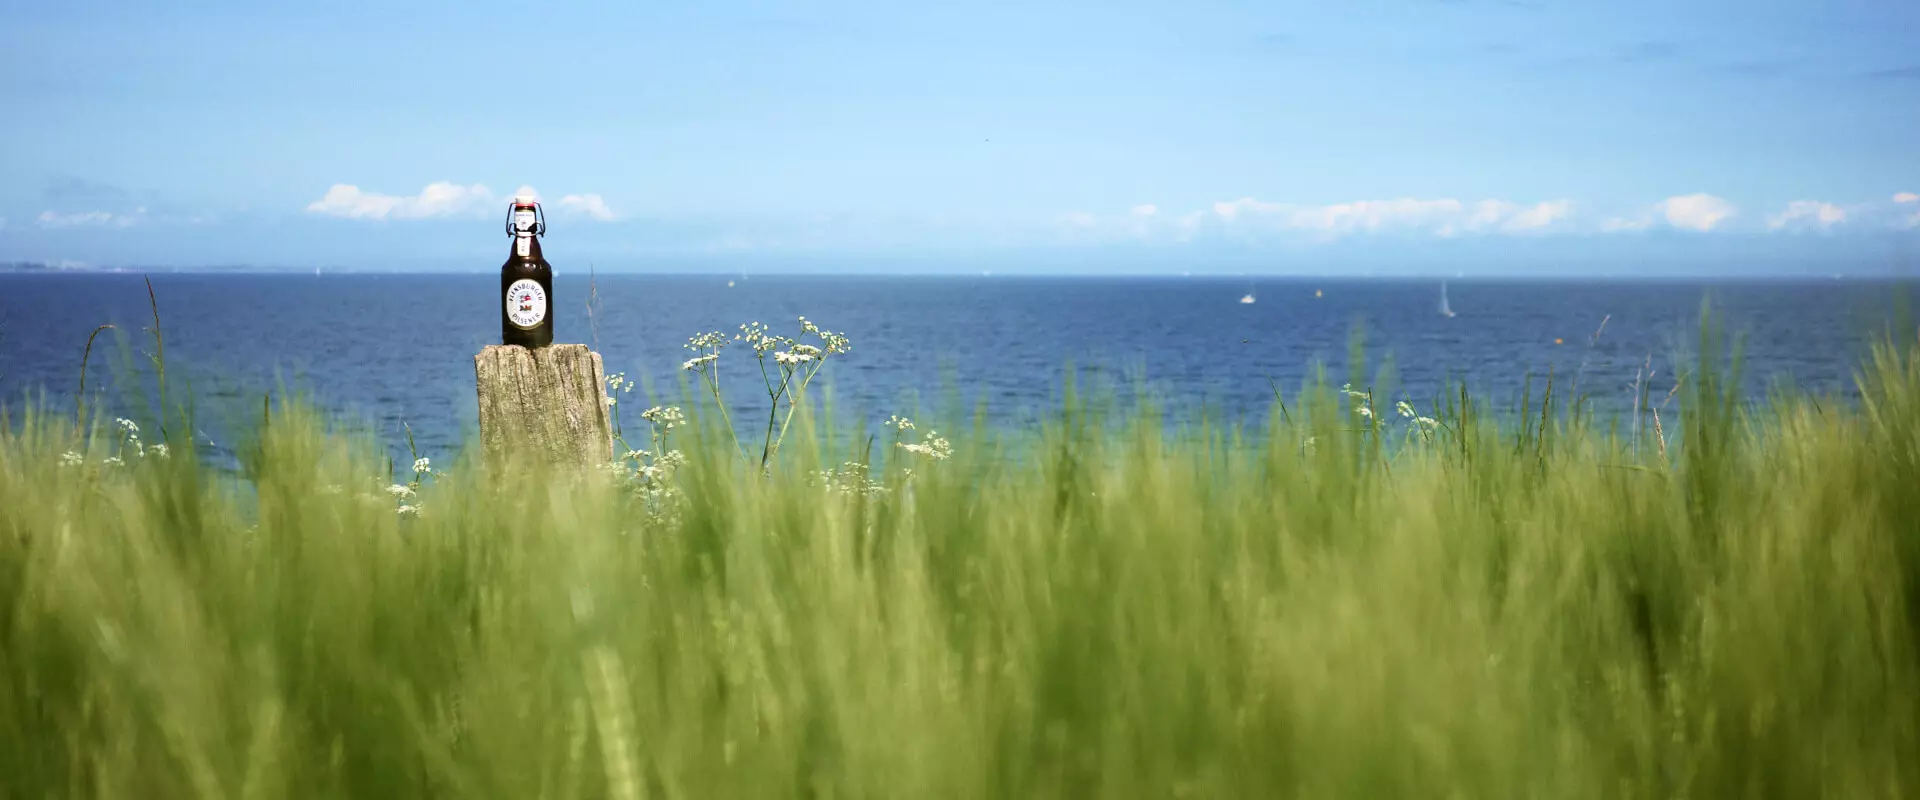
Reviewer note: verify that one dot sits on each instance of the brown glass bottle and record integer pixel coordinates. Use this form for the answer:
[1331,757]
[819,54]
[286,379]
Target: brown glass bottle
[526,287]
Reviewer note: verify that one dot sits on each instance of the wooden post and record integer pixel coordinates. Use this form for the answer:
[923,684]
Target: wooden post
[548,404]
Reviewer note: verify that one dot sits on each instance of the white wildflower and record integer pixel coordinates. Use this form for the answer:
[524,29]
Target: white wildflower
[422,466]
[1406,409]
[807,350]
[712,340]
[114,461]
[663,467]
[72,459]
[616,381]
[400,490]
[850,478]
[409,511]
[931,446]
[1426,422]
[698,363]
[899,423]
[127,426]
[159,450]
[610,400]
[1364,411]
[789,358]
[635,455]
[668,416]
[755,335]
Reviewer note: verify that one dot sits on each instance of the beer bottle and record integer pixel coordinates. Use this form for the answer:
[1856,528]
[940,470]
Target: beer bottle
[526,280]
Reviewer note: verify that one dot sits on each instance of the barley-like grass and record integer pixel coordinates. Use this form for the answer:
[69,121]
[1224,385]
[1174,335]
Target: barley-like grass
[1344,604]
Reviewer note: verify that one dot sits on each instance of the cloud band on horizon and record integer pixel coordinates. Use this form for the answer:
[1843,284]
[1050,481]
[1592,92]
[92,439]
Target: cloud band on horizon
[442,200]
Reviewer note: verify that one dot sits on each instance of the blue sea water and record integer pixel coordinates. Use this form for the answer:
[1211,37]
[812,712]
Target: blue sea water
[394,349]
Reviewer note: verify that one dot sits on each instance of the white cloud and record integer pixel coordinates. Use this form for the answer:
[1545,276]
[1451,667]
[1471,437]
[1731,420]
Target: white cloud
[1373,215]
[445,199]
[1907,199]
[1448,217]
[590,205]
[1442,216]
[1233,209]
[1698,212]
[1539,216]
[1807,213]
[88,219]
[437,200]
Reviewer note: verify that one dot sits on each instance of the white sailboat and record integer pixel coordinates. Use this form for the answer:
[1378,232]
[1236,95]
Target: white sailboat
[1445,309]
[1247,299]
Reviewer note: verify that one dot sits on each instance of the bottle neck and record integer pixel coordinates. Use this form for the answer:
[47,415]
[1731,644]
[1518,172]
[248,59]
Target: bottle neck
[526,245]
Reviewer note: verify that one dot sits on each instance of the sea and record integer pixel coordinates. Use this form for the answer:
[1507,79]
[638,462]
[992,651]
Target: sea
[393,354]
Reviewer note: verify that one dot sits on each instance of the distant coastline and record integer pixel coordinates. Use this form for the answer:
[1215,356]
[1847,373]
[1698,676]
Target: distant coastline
[81,266]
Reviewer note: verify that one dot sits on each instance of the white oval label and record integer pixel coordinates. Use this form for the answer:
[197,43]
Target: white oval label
[523,220]
[526,304]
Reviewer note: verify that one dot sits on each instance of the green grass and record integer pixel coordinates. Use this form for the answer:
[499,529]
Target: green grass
[1103,608]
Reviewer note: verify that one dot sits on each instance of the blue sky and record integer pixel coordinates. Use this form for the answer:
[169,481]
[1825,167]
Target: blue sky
[1524,136]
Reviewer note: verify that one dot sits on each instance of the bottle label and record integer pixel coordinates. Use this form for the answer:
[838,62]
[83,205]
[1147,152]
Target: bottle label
[526,304]
[523,221]
[523,246]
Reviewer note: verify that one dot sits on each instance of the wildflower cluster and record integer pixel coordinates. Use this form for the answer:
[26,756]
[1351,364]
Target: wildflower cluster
[407,494]
[834,342]
[666,417]
[706,349]
[787,365]
[651,470]
[130,442]
[1406,410]
[850,478]
[795,363]
[755,335]
[931,445]
[1362,401]
[126,445]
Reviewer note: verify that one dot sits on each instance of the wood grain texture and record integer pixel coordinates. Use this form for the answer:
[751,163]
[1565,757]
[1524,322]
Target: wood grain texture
[547,404]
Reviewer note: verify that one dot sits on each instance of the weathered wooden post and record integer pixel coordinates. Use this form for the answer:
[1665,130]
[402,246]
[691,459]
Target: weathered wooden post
[538,401]
[548,403]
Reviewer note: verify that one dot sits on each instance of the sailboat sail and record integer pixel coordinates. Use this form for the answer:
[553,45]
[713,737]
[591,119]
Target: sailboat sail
[1445,309]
